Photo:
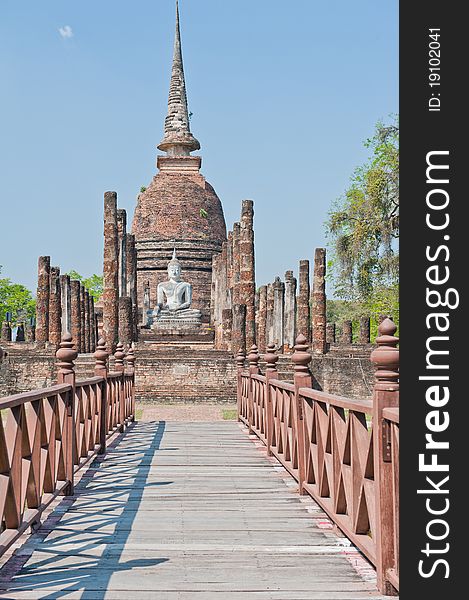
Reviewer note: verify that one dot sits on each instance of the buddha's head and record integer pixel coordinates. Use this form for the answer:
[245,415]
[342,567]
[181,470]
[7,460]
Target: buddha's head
[174,268]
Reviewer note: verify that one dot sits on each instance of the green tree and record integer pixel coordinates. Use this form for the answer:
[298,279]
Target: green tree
[94,283]
[17,300]
[363,227]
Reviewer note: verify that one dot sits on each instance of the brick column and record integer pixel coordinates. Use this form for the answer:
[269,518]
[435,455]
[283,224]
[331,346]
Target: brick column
[65,298]
[122,249]
[110,272]
[364,330]
[93,340]
[6,332]
[131,269]
[347,335]
[82,319]
[75,307]
[227,328]
[261,319]
[229,266]
[236,273]
[146,303]
[247,270]
[318,302]
[30,332]
[330,333]
[86,311]
[289,332]
[42,300]
[303,310]
[238,337]
[125,321]
[55,307]
[269,318]
[278,312]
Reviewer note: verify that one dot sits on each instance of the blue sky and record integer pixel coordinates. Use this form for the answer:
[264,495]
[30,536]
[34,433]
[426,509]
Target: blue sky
[282,94]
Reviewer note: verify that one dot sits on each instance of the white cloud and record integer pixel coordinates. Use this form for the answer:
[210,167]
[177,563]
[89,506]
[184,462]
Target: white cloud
[66,32]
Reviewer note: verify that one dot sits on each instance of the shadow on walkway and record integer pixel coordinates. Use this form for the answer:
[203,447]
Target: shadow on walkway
[80,545]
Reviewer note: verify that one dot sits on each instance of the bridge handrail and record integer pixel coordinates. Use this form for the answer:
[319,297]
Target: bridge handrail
[48,434]
[342,451]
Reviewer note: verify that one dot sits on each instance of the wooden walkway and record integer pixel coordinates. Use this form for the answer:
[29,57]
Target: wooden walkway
[186,511]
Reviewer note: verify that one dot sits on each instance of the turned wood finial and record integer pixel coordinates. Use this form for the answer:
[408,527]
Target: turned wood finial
[66,355]
[301,357]
[100,356]
[240,358]
[271,358]
[130,359]
[253,356]
[119,356]
[386,357]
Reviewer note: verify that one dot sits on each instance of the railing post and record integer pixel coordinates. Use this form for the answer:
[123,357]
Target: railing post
[240,358]
[65,355]
[119,356]
[386,394]
[302,378]
[130,358]
[253,358]
[270,359]
[100,370]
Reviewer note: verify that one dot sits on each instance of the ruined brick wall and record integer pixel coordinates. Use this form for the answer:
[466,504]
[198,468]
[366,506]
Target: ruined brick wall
[185,376]
[26,368]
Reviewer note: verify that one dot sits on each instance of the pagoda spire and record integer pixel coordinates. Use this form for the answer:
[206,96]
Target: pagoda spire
[178,139]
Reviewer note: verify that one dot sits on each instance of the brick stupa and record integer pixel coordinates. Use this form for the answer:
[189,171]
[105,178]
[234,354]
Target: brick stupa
[179,209]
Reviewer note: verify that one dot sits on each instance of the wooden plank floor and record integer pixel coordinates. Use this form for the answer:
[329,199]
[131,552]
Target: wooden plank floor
[186,511]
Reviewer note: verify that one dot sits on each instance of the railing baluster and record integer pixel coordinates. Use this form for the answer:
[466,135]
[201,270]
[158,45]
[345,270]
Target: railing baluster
[386,394]
[66,355]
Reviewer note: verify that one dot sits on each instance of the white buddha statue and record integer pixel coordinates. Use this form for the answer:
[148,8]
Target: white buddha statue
[174,297]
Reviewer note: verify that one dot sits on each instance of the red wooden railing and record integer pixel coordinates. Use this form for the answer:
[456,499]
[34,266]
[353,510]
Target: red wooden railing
[343,452]
[47,435]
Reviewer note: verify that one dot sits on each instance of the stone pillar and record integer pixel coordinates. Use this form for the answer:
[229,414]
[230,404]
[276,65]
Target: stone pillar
[229,267]
[75,306]
[227,328]
[269,319]
[65,298]
[247,270]
[111,272]
[364,330]
[42,300]
[122,248]
[125,321]
[261,319]
[303,311]
[131,270]
[30,332]
[347,335]
[146,303]
[86,319]
[82,319]
[330,333]
[236,274]
[289,332]
[6,332]
[318,303]
[93,330]
[55,307]
[238,337]
[278,312]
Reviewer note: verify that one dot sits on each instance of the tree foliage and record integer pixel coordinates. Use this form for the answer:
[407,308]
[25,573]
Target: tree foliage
[363,226]
[94,283]
[17,300]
